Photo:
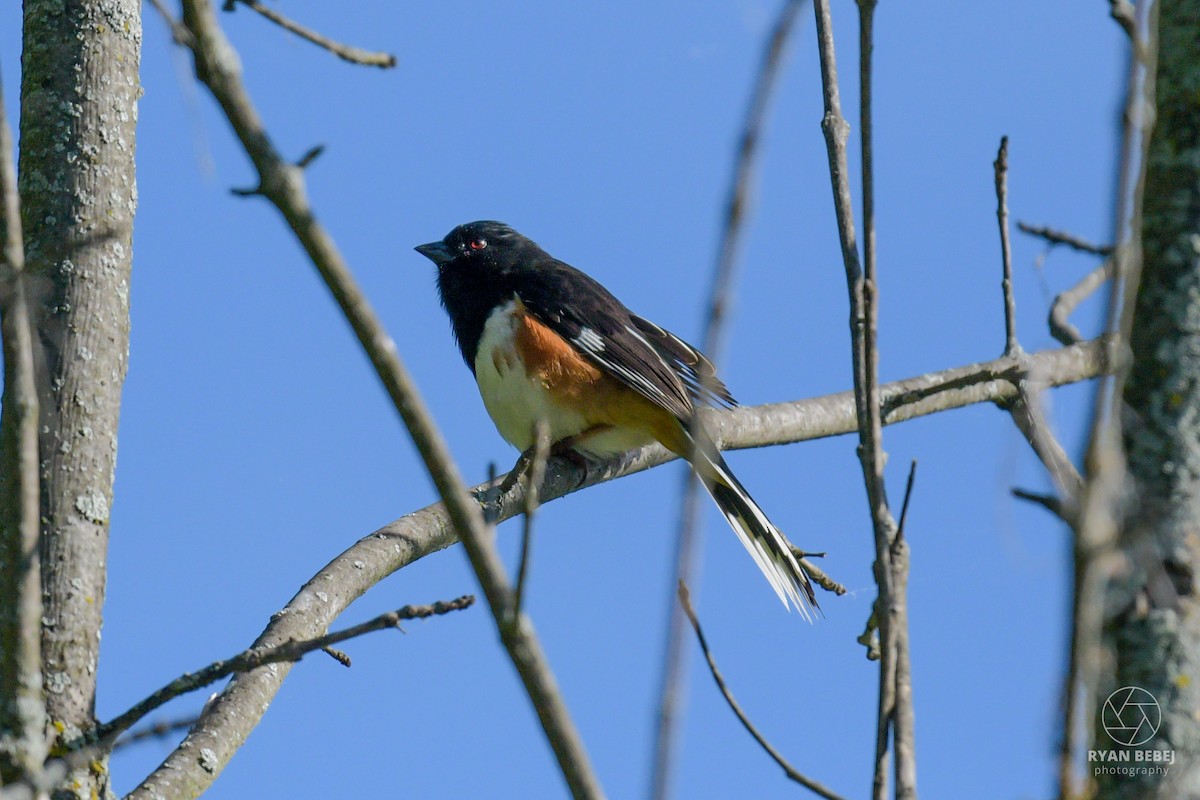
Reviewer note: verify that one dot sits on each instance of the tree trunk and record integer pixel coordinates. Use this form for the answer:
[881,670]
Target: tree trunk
[79,93]
[1155,634]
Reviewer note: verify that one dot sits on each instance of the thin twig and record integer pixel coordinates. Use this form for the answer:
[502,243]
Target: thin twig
[1027,413]
[338,656]
[903,723]
[105,737]
[1011,345]
[158,730]
[1047,501]
[1065,303]
[817,574]
[687,542]
[908,490]
[179,34]
[284,186]
[255,658]
[536,474]
[1057,237]
[792,773]
[355,55]
[1123,12]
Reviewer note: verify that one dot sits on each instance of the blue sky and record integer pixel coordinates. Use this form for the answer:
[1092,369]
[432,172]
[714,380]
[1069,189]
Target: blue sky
[256,444]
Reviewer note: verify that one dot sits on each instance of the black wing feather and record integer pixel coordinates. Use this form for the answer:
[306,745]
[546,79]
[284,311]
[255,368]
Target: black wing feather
[698,373]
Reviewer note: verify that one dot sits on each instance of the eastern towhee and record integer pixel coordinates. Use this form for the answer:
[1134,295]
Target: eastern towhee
[548,343]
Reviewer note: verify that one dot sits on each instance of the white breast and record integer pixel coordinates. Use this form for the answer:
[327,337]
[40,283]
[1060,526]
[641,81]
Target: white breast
[514,401]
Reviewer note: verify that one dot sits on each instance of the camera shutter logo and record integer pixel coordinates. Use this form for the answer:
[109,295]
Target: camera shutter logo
[1131,716]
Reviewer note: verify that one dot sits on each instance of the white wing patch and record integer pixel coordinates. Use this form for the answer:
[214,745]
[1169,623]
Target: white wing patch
[590,341]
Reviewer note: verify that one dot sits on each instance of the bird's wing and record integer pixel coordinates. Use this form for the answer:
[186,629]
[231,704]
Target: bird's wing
[693,367]
[583,312]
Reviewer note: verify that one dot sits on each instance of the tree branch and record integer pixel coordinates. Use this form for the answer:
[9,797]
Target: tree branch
[1095,556]
[22,709]
[792,773]
[1065,303]
[864,315]
[282,183]
[688,538]
[78,186]
[1056,237]
[1011,345]
[355,55]
[289,651]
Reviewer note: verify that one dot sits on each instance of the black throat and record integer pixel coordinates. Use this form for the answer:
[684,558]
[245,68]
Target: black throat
[469,299]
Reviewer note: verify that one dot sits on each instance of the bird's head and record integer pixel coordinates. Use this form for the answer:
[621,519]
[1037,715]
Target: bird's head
[479,246]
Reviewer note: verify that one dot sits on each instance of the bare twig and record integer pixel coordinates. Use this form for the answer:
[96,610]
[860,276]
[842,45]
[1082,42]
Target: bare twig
[1011,345]
[817,574]
[234,712]
[179,34]
[283,185]
[22,709]
[687,543]
[157,730]
[1056,237]
[1065,303]
[537,473]
[1047,501]
[788,769]
[105,737]
[903,723]
[1123,12]
[1027,413]
[338,656]
[355,55]
[908,490]
[257,657]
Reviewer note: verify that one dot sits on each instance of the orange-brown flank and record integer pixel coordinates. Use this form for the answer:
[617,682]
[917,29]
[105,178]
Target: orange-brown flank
[575,382]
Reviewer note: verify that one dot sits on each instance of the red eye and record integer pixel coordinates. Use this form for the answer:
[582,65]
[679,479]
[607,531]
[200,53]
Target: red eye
[478,244]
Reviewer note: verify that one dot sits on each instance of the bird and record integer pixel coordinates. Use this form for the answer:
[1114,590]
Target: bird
[549,346]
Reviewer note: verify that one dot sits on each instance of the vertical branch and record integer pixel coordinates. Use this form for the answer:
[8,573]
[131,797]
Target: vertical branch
[22,712]
[1094,553]
[890,612]
[687,543]
[1011,346]
[79,93]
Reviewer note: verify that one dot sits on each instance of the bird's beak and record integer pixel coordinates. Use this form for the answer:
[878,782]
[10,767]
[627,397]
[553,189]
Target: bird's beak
[437,252]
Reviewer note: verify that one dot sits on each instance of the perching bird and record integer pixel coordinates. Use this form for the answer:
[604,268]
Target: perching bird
[546,342]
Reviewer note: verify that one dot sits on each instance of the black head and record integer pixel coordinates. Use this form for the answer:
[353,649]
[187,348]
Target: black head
[479,246]
[479,265]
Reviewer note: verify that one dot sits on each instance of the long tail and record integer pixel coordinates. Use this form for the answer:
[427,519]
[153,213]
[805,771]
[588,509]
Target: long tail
[766,544]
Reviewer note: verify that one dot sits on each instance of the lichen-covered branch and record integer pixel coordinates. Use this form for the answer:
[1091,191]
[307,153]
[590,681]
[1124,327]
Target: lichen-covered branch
[1154,602]
[79,92]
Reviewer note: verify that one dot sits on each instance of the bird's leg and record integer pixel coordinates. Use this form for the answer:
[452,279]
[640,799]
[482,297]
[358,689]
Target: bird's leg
[563,448]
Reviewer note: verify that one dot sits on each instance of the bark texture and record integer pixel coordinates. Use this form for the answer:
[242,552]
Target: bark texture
[79,93]
[1155,632]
